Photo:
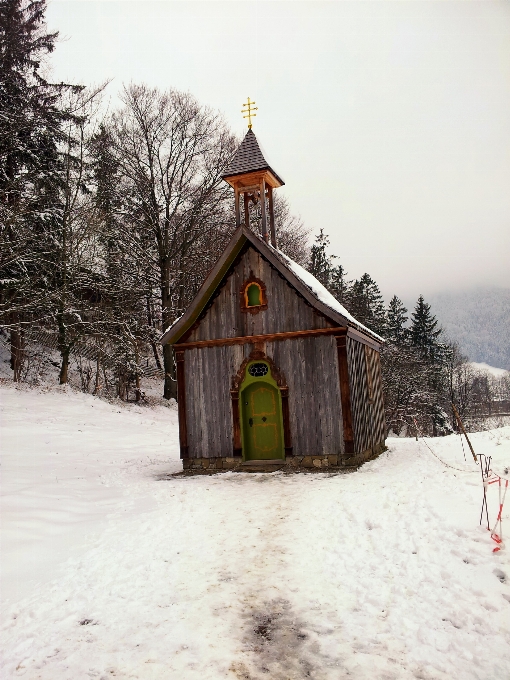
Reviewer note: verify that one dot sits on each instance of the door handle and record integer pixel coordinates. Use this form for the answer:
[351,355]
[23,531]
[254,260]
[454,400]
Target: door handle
[251,422]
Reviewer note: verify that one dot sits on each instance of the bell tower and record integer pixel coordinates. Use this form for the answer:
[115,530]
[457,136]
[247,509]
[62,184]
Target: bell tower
[253,180]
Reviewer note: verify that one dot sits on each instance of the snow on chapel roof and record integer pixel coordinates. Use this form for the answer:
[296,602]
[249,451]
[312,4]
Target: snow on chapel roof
[322,293]
[306,284]
[249,158]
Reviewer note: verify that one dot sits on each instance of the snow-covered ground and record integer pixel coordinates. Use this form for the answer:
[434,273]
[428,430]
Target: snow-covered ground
[111,571]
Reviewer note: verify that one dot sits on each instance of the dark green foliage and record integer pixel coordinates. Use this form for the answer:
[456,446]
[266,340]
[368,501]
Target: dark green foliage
[33,119]
[106,177]
[339,287]
[396,321]
[415,371]
[366,304]
[32,168]
[333,277]
[424,331]
[320,262]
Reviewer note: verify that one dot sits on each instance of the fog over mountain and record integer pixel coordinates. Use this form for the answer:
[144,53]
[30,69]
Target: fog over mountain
[479,320]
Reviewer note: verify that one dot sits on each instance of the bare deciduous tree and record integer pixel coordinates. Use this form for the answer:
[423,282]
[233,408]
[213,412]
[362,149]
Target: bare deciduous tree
[171,151]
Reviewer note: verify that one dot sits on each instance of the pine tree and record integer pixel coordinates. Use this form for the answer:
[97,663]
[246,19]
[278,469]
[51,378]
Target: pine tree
[31,167]
[425,338]
[424,331]
[320,263]
[396,320]
[366,304]
[339,287]
[106,177]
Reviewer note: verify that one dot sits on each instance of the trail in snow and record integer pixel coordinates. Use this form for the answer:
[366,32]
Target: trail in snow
[380,573]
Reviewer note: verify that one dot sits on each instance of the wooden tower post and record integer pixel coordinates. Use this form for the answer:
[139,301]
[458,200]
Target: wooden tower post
[253,179]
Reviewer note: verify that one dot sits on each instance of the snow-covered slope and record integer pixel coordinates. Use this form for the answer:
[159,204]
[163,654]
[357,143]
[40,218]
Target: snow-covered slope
[382,573]
[479,320]
[491,370]
[65,459]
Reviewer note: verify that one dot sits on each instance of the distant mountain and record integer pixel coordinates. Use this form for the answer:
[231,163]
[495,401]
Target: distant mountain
[479,320]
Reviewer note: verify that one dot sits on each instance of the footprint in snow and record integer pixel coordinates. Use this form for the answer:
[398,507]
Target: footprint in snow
[500,575]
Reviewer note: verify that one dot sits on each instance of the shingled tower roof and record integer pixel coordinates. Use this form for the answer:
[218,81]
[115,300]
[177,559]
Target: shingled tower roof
[249,158]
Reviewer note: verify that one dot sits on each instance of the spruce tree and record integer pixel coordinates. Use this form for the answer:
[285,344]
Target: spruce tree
[339,287]
[31,168]
[425,338]
[366,304]
[32,119]
[320,263]
[424,331]
[396,320]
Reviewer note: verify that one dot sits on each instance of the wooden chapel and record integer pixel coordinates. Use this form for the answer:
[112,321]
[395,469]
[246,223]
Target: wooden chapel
[272,371]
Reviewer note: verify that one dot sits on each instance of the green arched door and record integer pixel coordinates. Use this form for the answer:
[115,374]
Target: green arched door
[261,419]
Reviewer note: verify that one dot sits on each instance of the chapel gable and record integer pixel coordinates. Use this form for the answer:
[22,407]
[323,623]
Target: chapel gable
[254,299]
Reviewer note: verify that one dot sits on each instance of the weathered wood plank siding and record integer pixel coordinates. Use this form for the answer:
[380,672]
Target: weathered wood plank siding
[208,373]
[366,396]
[309,365]
[310,368]
[287,311]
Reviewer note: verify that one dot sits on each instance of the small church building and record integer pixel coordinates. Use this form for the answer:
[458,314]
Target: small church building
[272,371]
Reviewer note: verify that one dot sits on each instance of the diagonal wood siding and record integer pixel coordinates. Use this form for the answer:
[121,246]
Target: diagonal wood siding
[366,395]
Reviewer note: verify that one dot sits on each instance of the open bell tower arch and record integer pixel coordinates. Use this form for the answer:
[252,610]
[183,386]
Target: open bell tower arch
[253,181]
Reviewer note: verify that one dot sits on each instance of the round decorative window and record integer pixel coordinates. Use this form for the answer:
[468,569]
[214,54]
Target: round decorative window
[258,370]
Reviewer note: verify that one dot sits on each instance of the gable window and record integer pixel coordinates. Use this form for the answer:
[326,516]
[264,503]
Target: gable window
[253,296]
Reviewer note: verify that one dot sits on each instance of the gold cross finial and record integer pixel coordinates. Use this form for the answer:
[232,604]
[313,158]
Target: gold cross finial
[249,109]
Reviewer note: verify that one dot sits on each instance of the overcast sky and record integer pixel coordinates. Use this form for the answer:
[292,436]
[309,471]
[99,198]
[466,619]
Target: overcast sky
[389,121]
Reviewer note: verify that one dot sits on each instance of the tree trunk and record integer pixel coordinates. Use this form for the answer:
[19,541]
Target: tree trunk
[64,366]
[98,369]
[16,353]
[121,384]
[156,355]
[105,376]
[170,391]
[64,349]
[150,322]
[137,375]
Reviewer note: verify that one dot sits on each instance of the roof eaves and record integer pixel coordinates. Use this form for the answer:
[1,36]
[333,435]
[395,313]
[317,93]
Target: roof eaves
[273,256]
[239,239]
[226,175]
[207,290]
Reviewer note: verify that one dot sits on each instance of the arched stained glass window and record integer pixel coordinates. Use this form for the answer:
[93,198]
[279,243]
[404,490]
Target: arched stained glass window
[253,295]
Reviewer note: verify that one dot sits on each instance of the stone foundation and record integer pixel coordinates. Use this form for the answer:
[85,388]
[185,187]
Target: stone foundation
[291,462]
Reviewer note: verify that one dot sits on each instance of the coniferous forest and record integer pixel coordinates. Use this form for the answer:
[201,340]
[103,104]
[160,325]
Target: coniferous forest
[111,219]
